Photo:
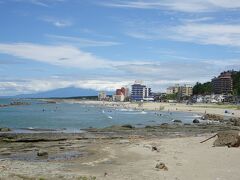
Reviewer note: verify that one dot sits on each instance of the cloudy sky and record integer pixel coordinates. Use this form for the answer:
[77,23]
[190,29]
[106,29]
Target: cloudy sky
[49,44]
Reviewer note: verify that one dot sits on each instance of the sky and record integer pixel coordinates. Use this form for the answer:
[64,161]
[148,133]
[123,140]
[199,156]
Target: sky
[103,45]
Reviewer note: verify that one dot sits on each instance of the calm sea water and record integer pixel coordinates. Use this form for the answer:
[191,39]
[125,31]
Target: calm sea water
[74,117]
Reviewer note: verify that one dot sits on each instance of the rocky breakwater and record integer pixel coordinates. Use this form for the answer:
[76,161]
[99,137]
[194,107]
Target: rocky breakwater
[234,122]
[15,103]
[213,117]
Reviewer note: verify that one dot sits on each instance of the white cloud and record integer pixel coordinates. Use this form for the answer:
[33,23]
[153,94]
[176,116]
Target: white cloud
[157,74]
[200,33]
[196,20]
[43,3]
[176,5]
[217,34]
[82,42]
[62,55]
[41,85]
[57,22]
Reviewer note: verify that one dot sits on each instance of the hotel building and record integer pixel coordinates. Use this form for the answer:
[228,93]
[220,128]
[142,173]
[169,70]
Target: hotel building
[141,92]
[223,84]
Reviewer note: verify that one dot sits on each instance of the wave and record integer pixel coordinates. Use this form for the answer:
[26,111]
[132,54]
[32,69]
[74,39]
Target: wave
[126,110]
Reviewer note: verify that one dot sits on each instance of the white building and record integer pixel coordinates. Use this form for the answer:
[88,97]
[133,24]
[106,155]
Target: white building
[102,95]
[120,98]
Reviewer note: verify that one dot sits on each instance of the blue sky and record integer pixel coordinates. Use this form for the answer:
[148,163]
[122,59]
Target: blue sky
[49,44]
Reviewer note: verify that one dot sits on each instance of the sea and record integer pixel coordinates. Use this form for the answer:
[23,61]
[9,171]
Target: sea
[75,117]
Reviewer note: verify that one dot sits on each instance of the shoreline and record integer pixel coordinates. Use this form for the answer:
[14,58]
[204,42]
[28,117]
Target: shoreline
[119,153]
[201,109]
[122,152]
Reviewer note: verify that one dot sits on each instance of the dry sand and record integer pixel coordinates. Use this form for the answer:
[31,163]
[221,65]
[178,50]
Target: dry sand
[134,159]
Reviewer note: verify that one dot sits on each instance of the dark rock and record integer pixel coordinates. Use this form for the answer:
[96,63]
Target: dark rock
[161,166]
[129,126]
[154,148]
[213,117]
[196,121]
[177,121]
[5,129]
[228,138]
[236,122]
[42,153]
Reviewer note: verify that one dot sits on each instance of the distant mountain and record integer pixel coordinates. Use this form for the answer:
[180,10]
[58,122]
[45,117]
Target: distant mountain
[62,93]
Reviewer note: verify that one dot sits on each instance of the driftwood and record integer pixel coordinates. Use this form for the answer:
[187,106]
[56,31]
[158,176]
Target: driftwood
[209,138]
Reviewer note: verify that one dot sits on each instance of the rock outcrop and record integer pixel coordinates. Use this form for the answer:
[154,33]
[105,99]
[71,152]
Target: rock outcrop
[228,138]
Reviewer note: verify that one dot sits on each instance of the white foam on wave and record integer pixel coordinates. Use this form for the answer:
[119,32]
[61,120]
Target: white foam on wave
[126,110]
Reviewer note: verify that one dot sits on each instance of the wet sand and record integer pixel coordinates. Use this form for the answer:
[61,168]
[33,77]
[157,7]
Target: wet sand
[120,153]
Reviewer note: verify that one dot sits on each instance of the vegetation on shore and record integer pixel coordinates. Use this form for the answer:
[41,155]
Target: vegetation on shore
[236,83]
[207,88]
[203,89]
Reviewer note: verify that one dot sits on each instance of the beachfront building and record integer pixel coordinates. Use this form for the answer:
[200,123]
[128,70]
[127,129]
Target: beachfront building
[173,89]
[223,84]
[121,94]
[123,91]
[141,93]
[102,95]
[185,90]
[119,98]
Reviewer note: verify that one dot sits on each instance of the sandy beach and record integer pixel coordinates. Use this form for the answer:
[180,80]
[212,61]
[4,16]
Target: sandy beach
[160,152]
[120,153]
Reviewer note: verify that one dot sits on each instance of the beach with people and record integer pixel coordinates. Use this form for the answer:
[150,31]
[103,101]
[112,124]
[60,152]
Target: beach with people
[201,108]
[173,149]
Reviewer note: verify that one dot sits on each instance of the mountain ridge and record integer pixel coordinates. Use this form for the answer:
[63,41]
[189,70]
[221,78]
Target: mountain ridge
[61,93]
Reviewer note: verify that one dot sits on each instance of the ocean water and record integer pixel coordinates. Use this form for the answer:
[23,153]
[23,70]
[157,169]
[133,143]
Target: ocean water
[73,117]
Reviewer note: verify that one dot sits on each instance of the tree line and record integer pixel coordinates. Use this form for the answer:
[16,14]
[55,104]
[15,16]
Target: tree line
[207,88]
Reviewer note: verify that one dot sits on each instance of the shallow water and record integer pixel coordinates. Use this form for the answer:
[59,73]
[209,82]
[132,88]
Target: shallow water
[73,117]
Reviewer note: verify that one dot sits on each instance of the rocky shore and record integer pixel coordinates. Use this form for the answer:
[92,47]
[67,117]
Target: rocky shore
[117,152]
[15,103]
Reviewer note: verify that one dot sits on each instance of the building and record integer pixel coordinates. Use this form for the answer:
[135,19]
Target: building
[102,95]
[173,89]
[121,94]
[120,98]
[186,90]
[223,84]
[123,91]
[141,92]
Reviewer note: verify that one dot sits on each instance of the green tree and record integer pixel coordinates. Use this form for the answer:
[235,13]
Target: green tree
[202,89]
[236,83]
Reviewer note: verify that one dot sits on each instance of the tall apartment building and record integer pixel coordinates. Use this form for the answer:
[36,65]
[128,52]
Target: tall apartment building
[185,90]
[173,89]
[223,84]
[140,92]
